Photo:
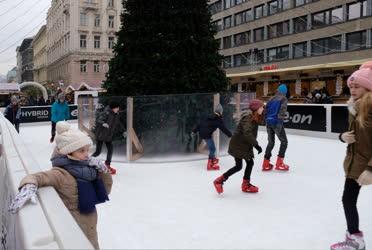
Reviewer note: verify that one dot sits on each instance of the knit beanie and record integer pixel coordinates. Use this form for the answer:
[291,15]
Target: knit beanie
[363,76]
[69,139]
[114,104]
[219,109]
[255,104]
[283,89]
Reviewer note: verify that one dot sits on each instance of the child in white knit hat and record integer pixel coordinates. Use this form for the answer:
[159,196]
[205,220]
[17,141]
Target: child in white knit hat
[80,181]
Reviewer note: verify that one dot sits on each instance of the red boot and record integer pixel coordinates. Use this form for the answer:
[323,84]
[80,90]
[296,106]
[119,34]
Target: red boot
[280,165]
[218,184]
[266,165]
[111,169]
[213,164]
[248,187]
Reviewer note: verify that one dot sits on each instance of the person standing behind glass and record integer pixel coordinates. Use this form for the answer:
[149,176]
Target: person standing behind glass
[60,112]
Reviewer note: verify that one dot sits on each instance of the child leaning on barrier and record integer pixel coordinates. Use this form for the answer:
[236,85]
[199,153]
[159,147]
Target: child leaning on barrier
[80,181]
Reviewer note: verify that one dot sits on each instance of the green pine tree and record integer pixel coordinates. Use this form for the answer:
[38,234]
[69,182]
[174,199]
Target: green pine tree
[165,47]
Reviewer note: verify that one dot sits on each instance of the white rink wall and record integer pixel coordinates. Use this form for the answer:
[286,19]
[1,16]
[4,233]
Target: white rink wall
[45,225]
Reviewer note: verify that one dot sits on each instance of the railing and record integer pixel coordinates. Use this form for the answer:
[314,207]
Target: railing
[45,225]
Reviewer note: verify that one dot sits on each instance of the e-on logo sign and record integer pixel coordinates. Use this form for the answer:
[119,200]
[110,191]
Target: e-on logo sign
[298,118]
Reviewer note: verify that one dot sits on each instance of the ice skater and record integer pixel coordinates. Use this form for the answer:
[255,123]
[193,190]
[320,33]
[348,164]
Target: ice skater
[60,112]
[80,181]
[206,129]
[358,160]
[241,147]
[13,112]
[276,109]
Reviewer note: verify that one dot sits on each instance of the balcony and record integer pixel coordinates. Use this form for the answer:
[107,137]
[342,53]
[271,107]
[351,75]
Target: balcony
[90,5]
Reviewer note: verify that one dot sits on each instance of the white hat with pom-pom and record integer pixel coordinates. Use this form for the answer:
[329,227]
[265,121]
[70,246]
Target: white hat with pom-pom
[69,139]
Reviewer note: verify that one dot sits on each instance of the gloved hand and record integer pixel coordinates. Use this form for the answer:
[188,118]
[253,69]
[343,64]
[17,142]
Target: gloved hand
[105,125]
[27,193]
[365,178]
[348,137]
[98,164]
[125,134]
[258,148]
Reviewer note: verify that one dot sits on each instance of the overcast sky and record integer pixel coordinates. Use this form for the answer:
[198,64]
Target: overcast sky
[18,19]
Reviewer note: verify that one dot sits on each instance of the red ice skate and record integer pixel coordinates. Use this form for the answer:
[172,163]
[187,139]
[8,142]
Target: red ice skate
[247,187]
[213,164]
[218,184]
[111,169]
[280,165]
[266,165]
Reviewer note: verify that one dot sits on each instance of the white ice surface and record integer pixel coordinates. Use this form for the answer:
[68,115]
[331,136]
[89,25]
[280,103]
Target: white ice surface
[175,206]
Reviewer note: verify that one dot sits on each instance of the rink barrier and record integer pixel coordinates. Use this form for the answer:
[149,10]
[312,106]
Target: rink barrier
[44,225]
[316,120]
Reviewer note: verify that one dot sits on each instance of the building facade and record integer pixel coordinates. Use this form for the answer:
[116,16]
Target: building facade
[80,38]
[11,76]
[27,64]
[40,57]
[19,65]
[307,44]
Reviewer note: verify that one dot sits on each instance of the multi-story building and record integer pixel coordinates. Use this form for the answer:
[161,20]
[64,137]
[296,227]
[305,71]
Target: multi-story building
[11,76]
[80,38]
[39,44]
[27,56]
[307,44]
[19,64]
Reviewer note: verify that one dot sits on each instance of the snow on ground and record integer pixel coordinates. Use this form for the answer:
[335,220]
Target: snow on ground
[174,205]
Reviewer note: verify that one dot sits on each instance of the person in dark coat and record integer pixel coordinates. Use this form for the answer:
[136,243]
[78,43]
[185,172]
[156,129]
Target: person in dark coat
[106,123]
[13,112]
[241,146]
[206,129]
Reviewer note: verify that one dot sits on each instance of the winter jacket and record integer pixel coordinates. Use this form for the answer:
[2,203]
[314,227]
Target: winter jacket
[208,126]
[244,138]
[109,117]
[67,188]
[60,111]
[276,109]
[13,113]
[359,154]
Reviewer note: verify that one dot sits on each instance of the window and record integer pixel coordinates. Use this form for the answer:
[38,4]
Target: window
[278,29]
[337,15]
[227,22]
[300,50]
[111,3]
[249,15]
[258,34]
[217,25]
[227,42]
[83,41]
[83,66]
[227,4]
[97,42]
[258,56]
[286,4]
[215,7]
[83,19]
[357,10]
[241,59]
[302,2]
[242,38]
[227,62]
[97,21]
[300,24]
[96,66]
[239,18]
[356,40]
[219,42]
[111,42]
[111,22]
[258,12]
[278,53]
[274,7]
[239,1]
[326,45]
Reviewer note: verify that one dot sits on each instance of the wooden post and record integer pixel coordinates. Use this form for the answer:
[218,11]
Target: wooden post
[91,112]
[129,128]
[80,114]
[216,134]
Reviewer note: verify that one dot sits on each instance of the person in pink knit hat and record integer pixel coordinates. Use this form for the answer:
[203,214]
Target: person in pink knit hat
[241,147]
[358,160]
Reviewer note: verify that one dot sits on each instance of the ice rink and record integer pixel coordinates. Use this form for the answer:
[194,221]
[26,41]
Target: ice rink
[175,206]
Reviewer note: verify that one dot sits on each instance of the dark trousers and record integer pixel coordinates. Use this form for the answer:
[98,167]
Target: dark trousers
[211,148]
[110,150]
[16,125]
[54,129]
[279,131]
[238,167]
[349,200]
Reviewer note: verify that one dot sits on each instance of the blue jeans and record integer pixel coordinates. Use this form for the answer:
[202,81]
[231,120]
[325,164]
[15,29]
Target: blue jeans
[211,148]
